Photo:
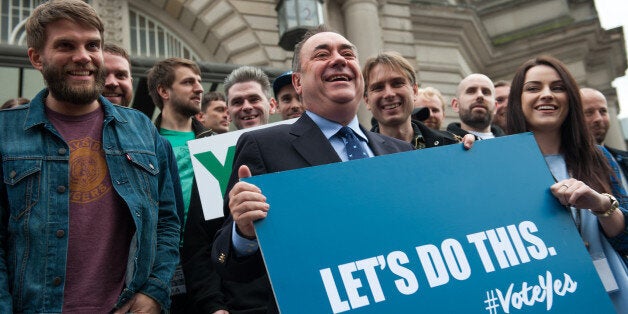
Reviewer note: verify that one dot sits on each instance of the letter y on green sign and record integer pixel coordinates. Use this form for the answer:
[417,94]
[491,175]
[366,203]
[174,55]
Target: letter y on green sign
[219,171]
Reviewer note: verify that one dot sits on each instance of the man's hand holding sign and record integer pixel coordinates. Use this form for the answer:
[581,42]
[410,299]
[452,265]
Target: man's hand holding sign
[247,204]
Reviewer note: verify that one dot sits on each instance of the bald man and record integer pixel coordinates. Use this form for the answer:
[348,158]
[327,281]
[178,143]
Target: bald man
[597,119]
[475,104]
[595,113]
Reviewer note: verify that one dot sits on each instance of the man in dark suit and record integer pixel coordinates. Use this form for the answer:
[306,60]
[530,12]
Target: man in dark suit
[328,80]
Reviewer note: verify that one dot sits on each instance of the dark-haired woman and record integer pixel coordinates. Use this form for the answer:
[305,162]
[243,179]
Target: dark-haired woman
[545,99]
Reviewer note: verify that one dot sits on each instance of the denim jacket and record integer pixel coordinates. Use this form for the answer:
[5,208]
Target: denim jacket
[619,242]
[34,203]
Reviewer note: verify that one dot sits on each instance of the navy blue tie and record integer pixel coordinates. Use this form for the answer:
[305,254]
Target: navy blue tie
[352,143]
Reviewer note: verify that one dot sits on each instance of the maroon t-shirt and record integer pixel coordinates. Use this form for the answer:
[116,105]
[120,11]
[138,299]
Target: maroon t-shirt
[100,228]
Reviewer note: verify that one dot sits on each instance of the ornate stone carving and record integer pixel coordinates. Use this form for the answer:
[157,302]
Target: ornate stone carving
[112,13]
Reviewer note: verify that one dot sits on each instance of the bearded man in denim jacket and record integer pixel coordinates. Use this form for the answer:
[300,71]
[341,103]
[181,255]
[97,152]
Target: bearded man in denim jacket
[86,202]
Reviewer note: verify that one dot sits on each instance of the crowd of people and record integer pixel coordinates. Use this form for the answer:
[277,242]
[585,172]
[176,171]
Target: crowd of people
[101,211]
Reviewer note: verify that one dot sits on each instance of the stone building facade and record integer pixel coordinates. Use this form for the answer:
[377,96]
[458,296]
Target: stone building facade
[446,39]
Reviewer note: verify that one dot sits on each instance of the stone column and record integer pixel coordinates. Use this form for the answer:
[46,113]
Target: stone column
[614,137]
[364,31]
[115,16]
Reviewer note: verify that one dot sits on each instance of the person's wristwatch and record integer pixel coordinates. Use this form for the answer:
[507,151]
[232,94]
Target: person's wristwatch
[608,212]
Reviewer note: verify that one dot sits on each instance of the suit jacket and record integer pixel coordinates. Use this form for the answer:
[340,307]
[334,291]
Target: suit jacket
[283,147]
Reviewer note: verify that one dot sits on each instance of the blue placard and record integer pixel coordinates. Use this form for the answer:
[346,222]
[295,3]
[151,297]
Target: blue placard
[439,230]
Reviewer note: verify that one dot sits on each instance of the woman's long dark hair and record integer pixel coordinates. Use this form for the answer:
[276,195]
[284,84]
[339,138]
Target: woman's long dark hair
[583,159]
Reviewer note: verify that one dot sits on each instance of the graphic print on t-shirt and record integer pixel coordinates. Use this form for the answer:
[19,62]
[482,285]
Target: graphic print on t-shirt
[88,171]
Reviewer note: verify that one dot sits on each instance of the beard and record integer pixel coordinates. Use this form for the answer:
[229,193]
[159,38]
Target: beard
[125,102]
[599,132]
[476,120]
[184,106]
[125,98]
[59,88]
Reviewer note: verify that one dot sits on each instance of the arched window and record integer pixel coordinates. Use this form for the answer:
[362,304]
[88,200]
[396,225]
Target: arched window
[149,38]
[13,15]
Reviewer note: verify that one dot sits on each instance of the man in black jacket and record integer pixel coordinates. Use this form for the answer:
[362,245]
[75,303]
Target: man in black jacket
[327,78]
[247,90]
[475,104]
[390,90]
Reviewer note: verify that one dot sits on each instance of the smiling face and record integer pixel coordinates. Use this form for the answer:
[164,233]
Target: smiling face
[390,96]
[186,92]
[71,63]
[329,80]
[544,100]
[248,105]
[118,82]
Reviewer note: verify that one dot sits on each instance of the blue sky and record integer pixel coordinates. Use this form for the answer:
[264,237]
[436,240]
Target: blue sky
[614,13]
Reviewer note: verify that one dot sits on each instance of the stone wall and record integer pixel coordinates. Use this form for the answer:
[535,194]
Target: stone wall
[446,40]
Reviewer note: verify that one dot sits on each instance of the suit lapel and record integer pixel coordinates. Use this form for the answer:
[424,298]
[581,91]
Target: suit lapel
[378,144]
[311,143]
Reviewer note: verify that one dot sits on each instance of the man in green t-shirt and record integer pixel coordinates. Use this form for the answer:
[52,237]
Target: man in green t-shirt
[174,85]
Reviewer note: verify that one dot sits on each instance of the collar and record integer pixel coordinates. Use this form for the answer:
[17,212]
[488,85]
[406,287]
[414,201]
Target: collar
[330,128]
[418,141]
[37,115]
[197,127]
[482,135]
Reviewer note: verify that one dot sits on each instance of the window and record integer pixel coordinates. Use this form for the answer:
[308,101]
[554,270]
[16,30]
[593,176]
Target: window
[13,15]
[151,39]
